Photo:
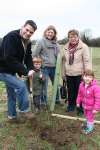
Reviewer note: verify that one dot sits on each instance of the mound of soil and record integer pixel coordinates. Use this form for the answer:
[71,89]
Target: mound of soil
[65,134]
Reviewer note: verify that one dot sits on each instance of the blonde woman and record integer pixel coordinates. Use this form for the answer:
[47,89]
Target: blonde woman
[47,48]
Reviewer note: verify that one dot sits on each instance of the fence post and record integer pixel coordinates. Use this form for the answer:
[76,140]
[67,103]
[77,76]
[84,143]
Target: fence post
[91,55]
[56,82]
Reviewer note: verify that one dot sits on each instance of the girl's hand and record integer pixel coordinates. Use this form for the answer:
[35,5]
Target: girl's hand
[95,111]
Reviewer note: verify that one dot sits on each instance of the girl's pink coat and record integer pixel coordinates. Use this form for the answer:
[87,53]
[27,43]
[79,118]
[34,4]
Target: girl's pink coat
[90,96]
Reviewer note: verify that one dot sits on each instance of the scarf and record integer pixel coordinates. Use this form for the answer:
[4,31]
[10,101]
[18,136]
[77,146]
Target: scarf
[72,49]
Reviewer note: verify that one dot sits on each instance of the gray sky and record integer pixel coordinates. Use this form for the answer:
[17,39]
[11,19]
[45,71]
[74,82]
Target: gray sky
[64,14]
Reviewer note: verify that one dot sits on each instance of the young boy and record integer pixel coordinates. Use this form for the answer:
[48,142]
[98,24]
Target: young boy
[37,84]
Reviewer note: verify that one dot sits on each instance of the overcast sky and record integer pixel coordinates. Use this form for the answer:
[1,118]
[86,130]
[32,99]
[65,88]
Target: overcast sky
[64,14]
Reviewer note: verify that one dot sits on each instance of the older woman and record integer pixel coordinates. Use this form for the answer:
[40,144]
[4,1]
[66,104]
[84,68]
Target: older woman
[75,61]
[47,48]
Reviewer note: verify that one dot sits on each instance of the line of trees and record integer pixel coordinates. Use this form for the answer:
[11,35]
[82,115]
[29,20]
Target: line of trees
[94,42]
[86,37]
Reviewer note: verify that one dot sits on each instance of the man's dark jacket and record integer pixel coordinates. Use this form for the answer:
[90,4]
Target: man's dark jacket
[13,57]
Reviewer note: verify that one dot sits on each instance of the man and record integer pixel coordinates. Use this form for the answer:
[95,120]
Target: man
[15,58]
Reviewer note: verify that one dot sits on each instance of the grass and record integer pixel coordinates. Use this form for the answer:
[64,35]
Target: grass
[45,132]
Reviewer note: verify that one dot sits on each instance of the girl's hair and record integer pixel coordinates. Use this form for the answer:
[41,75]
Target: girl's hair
[51,27]
[73,32]
[89,73]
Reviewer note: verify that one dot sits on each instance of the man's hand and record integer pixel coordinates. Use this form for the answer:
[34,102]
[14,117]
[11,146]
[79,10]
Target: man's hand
[22,77]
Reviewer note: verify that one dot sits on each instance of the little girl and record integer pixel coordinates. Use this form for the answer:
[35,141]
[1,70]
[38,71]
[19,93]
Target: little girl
[89,96]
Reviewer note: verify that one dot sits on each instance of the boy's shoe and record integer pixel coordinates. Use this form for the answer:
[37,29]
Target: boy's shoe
[37,110]
[87,130]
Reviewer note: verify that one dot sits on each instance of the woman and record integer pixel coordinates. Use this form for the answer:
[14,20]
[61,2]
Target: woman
[47,48]
[75,61]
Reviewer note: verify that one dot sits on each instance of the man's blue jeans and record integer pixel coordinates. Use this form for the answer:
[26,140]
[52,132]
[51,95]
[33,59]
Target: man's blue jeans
[16,90]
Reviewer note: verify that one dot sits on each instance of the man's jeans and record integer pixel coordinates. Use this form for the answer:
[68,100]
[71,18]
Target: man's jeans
[16,90]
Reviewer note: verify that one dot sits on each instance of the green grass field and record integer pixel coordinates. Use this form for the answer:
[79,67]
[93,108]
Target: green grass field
[45,132]
[96,62]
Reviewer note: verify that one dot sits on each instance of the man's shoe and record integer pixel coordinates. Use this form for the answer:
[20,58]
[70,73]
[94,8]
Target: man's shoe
[14,119]
[11,117]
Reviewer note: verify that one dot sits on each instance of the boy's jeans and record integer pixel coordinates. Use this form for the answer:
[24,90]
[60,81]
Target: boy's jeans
[16,90]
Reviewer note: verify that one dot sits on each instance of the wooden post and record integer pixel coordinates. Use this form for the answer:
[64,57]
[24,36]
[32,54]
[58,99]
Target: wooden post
[56,83]
[91,55]
[73,118]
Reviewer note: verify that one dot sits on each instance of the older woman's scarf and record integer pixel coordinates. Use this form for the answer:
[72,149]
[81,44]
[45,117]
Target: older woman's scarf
[72,49]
